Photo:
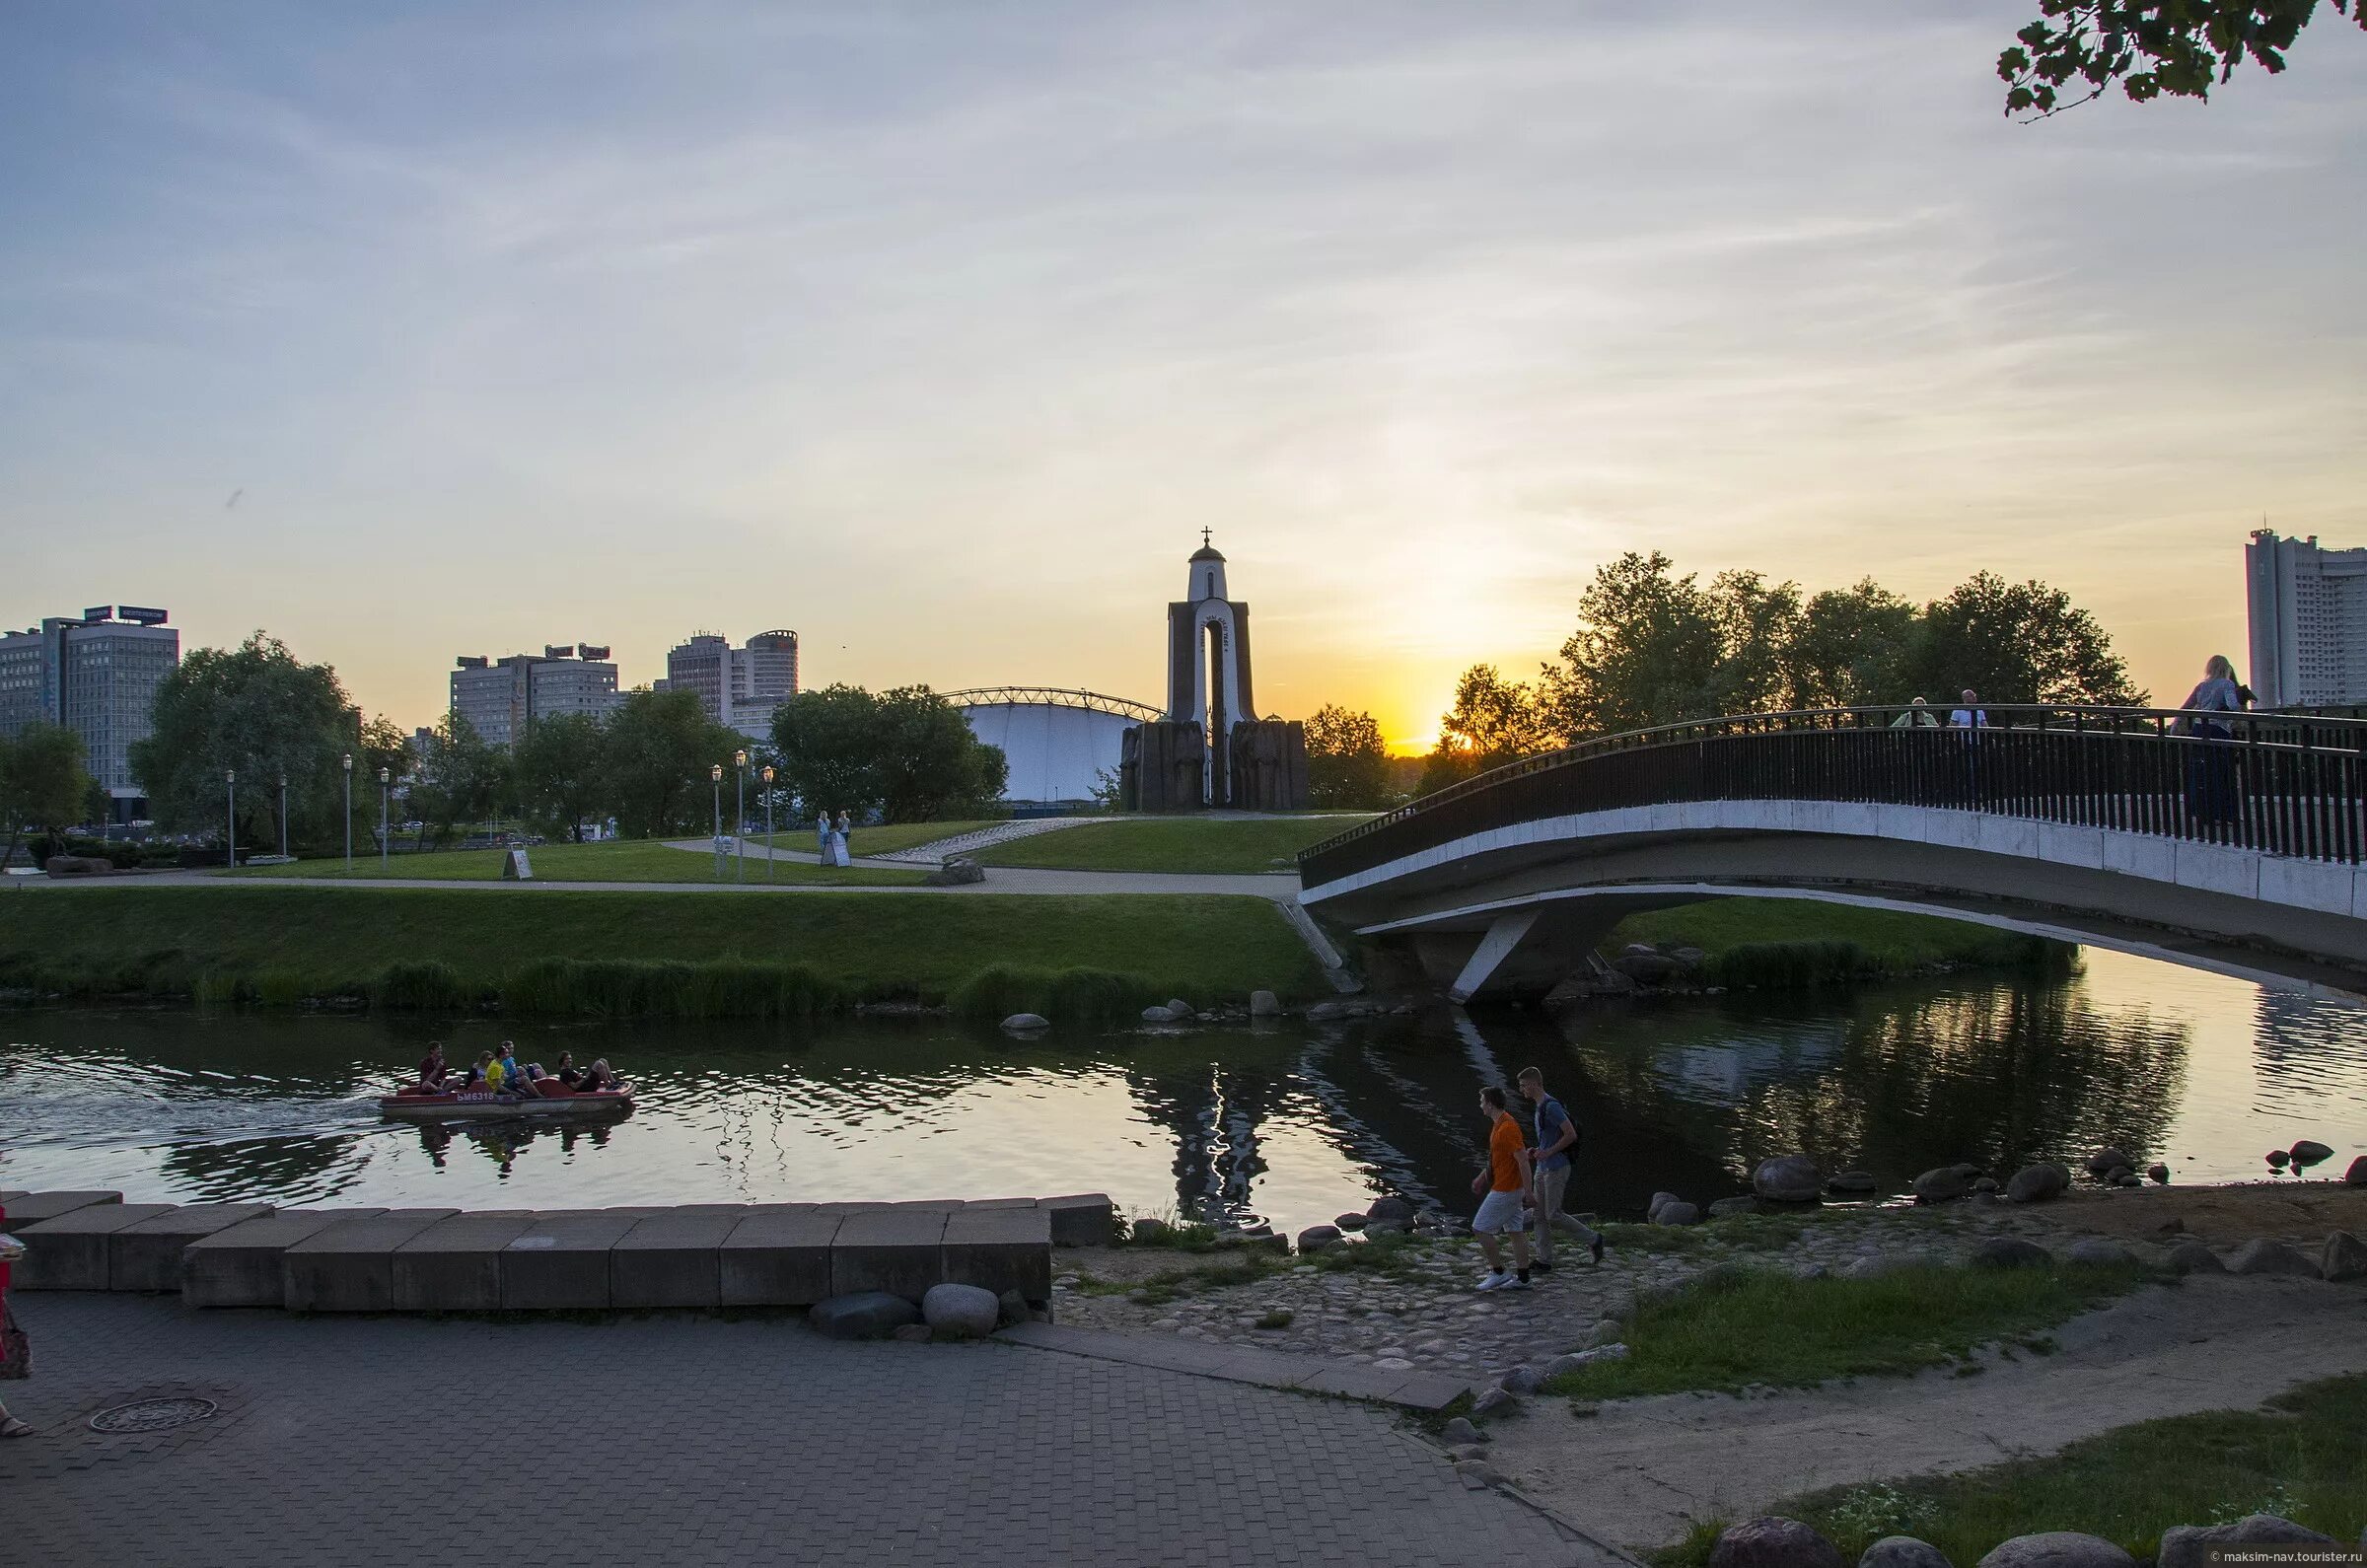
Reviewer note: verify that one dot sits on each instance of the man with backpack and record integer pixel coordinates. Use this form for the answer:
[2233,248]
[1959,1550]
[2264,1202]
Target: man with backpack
[1557,1142]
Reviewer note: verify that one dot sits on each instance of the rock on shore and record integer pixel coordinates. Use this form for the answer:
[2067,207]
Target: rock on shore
[2057,1548]
[2189,1545]
[1772,1543]
[1788,1179]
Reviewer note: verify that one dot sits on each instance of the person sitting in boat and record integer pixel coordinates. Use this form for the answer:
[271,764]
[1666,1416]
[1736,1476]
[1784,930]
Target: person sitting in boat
[569,1074]
[481,1075]
[432,1072]
[597,1080]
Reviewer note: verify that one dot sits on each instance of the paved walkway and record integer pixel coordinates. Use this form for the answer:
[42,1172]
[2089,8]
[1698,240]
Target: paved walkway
[999,880]
[693,1441]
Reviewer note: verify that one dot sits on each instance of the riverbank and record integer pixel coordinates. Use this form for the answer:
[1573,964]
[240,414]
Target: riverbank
[653,955]
[1800,944]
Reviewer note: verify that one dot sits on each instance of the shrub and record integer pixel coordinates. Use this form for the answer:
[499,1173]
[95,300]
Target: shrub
[633,988]
[1790,965]
[428,986]
[1070,996]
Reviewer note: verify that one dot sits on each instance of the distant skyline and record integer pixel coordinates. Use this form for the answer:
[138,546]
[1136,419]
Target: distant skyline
[937,332]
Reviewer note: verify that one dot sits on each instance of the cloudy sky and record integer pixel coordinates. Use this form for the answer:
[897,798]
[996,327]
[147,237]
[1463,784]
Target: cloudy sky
[938,332]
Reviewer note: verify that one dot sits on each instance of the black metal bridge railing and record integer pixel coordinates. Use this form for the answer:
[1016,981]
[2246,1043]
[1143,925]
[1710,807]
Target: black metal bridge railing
[2288,784]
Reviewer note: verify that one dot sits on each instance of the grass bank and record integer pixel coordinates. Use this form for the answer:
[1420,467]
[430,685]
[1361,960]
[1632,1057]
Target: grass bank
[678,954]
[1740,1327]
[628,860]
[1791,943]
[2300,1456]
[1227,844]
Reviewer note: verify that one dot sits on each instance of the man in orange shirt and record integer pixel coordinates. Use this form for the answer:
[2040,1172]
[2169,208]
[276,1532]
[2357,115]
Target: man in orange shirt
[1505,1188]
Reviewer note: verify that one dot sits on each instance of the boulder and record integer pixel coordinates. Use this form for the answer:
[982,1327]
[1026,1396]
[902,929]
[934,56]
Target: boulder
[1944,1182]
[1493,1403]
[864,1314]
[1610,1331]
[1316,1237]
[2057,1548]
[958,870]
[1265,1004]
[1183,1011]
[2308,1151]
[2098,1253]
[2037,1184]
[1853,1181]
[1148,1229]
[1459,1431]
[1388,1211]
[2263,1256]
[1011,1308]
[1349,1221]
[1876,1265]
[78,866]
[2189,1545]
[1560,1365]
[2192,1257]
[968,1312]
[1725,1206]
[2009,1252]
[1902,1551]
[1788,1179]
[2345,1258]
[1648,968]
[2277,1158]
[2107,1159]
[2127,1179]
[1157,1015]
[1811,1271]
[2357,1176]
[1678,1213]
[1477,1475]
[1771,1542]
[1652,1209]
[1521,1379]
[2159,1173]
[1694,959]
[1024,1022]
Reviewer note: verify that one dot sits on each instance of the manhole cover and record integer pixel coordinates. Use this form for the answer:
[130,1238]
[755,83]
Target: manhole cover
[152,1415]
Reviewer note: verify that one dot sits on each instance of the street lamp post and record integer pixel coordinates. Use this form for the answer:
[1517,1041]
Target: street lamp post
[771,849]
[739,808]
[349,813]
[715,777]
[230,782]
[283,816]
[386,777]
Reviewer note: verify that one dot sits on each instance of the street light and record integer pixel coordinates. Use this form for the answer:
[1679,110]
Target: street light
[386,777]
[740,838]
[230,781]
[771,848]
[283,816]
[349,813]
[715,776]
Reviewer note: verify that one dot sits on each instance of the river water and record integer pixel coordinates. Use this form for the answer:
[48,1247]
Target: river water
[1294,1123]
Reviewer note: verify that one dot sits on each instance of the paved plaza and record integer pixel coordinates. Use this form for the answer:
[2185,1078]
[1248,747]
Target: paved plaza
[683,1439]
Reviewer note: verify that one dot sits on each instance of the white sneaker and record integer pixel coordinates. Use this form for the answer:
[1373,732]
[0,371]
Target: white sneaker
[1513,1282]
[1496,1280]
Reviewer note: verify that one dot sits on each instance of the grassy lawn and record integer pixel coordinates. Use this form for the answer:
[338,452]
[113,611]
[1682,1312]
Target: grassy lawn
[885,840]
[626,859]
[1890,942]
[1176,843]
[2301,1456]
[1758,1328]
[326,941]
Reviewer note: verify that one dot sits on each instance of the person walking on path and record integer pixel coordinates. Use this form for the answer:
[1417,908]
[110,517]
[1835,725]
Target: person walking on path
[1503,1189]
[1556,1146]
[16,1352]
[838,840]
[822,836]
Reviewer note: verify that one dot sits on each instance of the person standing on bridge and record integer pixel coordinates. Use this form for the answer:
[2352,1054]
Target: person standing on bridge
[1503,1190]
[1556,1146]
[1918,716]
[2211,766]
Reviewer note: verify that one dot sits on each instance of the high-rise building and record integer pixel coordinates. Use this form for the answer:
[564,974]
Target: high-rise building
[737,686]
[2309,622]
[97,673]
[500,697]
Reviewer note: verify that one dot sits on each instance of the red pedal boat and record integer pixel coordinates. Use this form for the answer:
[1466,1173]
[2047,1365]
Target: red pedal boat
[556,1103]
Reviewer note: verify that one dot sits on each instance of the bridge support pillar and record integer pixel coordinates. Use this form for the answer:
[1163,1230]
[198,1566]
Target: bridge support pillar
[1508,932]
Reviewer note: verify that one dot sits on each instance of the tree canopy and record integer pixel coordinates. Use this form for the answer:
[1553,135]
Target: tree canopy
[906,753]
[43,785]
[2179,48]
[1347,761]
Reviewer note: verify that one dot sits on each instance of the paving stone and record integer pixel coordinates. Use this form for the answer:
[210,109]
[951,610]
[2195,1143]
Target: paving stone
[70,1251]
[560,1262]
[1081,1219]
[455,1265]
[777,1256]
[241,1267]
[671,1261]
[901,1252]
[30,1208]
[349,1267]
[147,1255]
[1001,1249]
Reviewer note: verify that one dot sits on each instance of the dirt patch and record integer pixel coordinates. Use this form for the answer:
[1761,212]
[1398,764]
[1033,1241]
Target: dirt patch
[2223,1216]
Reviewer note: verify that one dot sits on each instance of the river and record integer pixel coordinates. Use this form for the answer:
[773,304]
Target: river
[1292,1123]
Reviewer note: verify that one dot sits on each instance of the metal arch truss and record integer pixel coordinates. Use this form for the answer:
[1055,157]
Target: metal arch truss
[1054,697]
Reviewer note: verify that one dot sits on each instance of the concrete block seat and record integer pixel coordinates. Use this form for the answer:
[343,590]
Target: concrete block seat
[899,1251]
[1081,1219]
[349,1267]
[1000,1250]
[70,1251]
[242,1265]
[673,1260]
[31,1208]
[148,1256]
[455,1265]
[778,1255]
[560,1262]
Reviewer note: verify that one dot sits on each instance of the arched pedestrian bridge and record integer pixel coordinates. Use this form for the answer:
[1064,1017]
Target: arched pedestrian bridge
[2237,849]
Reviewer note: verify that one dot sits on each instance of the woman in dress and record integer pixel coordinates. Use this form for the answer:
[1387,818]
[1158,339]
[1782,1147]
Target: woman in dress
[838,842]
[822,836]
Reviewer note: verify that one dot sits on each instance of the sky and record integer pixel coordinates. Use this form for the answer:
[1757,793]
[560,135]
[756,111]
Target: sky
[937,332]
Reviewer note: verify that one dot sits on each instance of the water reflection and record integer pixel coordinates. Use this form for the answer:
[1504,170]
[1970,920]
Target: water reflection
[1291,1123]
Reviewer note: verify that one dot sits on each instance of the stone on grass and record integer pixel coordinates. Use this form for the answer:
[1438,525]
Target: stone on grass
[1788,1179]
[2159,1173]
[970,1310]
[1811,1271]
[2279,1158]
[1459,1431]
[1606,1332]
[2057,1548]
[2099,1253]
[1182,1010]
[1388,1211]
[1521,1379]
[1678,1213]
[1019,1022]
[1659,1201]
[1902,1551]
[1349,1221]
[1853,1181]
[1942,1183]
[1477,1475]
[2107,1160]
[2345,1258]
[955,871]
[2357,1176]
[2261,1255]
[2035,1184]
[1316,1237]
[864,1314]
[2009,1252]
[1265,1004]
[1147,1229]
[1494,1402]
[2189,1545]
[1560,1365]
[1982,1186]
[1726,1206]
[2192,1257]
[2308,1151]
[1772,1543]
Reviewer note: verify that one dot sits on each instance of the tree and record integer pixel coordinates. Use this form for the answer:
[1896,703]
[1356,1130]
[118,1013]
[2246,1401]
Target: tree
[462,779]
[659,746]
[555,773]
[1757,626]
[1347,763]
[908,753]
[2151,47]
[254,710]
[1494,720]
[1646,652]
[2017,642]
[1850,648]
[43,785]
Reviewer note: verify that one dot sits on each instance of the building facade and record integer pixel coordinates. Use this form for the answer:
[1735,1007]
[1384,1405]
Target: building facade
[98,675]
[501,697]
[736,686]
[2309,622]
